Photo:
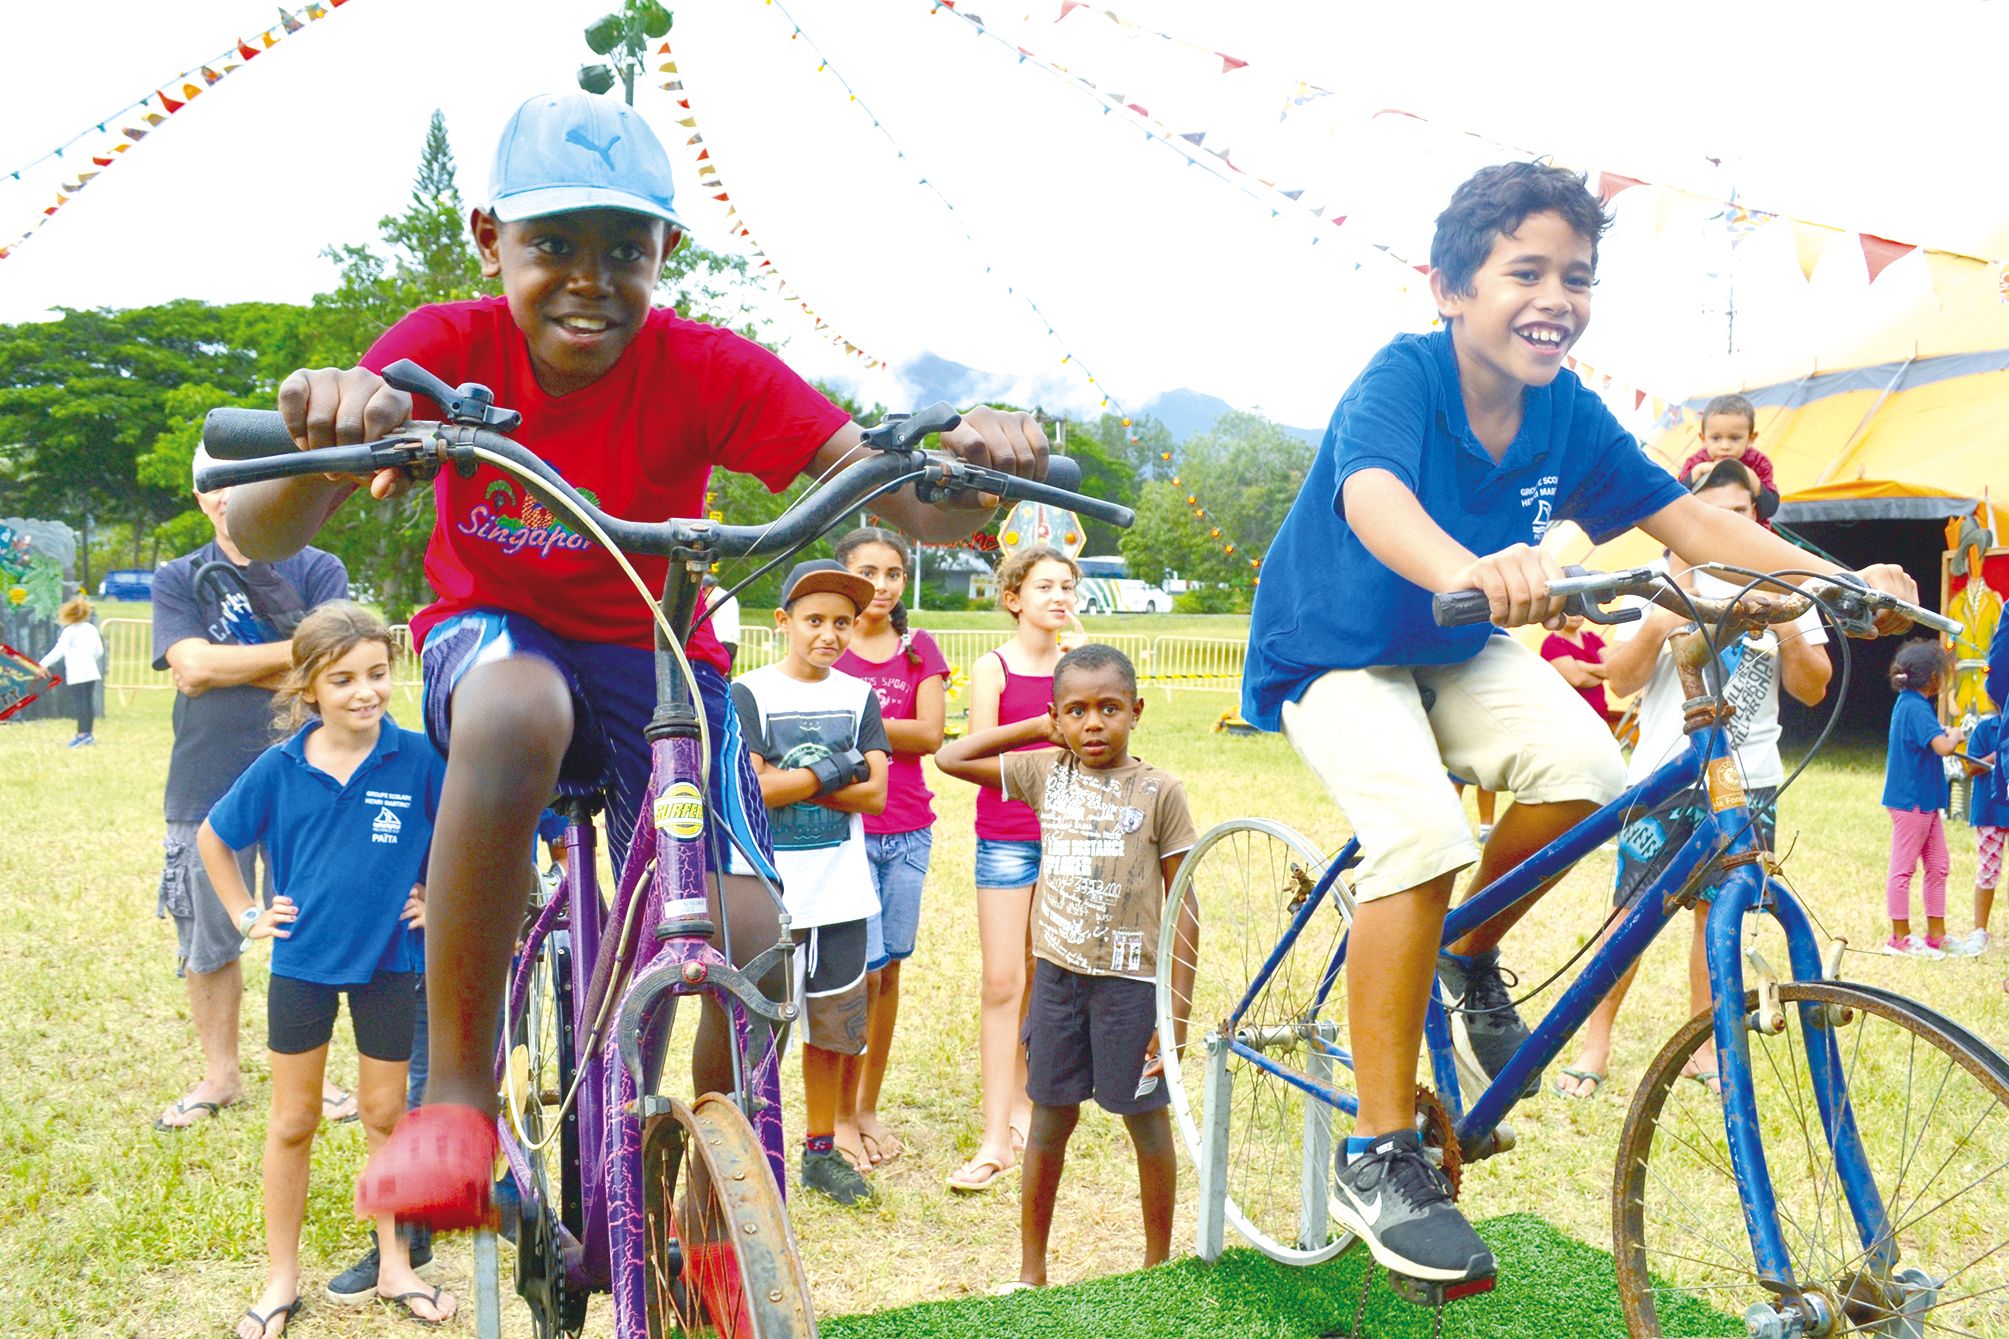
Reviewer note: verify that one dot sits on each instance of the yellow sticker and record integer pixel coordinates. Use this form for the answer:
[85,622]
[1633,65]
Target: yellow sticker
[680,811]
[1726,785]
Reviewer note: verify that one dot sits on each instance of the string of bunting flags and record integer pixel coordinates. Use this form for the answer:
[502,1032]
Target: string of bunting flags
[136,120]
[1199,509]
[713,185]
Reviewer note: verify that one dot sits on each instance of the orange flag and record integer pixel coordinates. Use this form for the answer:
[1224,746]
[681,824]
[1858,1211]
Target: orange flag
[168,102]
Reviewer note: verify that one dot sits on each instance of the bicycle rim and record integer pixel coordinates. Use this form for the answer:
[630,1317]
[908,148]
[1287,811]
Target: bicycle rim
[1246,880]
[1930,1104]
[719,1254]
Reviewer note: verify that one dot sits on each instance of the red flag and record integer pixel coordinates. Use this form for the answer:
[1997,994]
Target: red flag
[1069,6]
[168,102]
[1135,108]
[704,154]
[1638,399]
[1879,252]
[245,51]
[1228,63]
[1610,184]
[101,162]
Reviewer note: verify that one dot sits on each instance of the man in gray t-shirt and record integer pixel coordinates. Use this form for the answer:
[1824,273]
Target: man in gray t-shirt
[220,627]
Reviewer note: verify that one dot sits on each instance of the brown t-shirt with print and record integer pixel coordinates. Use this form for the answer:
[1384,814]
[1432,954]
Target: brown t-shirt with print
[1101,894]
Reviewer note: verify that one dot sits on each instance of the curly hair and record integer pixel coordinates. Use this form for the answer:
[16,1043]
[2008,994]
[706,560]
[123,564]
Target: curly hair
[1920,664]
[1013,571]
[323,637]
[1492,203]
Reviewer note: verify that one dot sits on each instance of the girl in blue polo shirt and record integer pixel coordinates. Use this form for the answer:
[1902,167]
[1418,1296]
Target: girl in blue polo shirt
[345,809]
[1914,791]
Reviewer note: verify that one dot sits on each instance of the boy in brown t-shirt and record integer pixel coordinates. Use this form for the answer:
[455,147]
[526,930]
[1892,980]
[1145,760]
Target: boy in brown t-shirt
[1114,831]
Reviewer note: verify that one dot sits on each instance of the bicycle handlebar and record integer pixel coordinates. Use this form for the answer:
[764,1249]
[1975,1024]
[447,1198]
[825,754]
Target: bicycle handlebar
[1852,604]
[254,446]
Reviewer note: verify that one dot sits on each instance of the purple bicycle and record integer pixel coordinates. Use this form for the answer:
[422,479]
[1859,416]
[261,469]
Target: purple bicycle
[625,1189]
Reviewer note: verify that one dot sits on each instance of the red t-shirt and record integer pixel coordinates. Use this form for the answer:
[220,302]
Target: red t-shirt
[640,442]
[1557,647]
[895,682]
[1753,460]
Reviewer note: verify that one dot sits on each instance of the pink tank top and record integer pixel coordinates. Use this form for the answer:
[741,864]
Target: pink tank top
[999,819]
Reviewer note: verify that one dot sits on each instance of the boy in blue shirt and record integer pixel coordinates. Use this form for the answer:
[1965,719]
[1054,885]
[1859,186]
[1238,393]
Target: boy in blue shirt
[1444,464]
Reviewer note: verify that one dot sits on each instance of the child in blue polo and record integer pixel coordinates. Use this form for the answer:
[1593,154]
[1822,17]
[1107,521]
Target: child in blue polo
[1445,463]
[345,810]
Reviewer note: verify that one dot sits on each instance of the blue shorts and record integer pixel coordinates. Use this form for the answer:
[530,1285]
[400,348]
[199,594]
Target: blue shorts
[613,696]
[899,863]
[1006,864]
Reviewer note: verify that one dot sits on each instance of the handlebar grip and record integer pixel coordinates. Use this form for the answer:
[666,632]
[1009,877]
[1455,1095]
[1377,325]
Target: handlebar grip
[328,460]
[245,434]
[1064,472]
[1460,608]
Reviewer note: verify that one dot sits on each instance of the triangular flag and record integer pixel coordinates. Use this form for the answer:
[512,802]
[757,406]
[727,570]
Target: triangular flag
[190,92]
[704,154]
[269,39]
[687,121]
[1297,194]
[73,186]
[316,12]
[245,51]
[1069,6]
[663,50]
[1950,271]
[1195,137]
[291,24]
[1135,108]
[169,103]
[1228,63]
[1611,183]
[101,162]
[134,135]
[1879,252]
[1809,241]
[209,76]
[1638,399]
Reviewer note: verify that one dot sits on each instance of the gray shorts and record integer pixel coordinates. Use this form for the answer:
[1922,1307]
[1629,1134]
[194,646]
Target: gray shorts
[206,938]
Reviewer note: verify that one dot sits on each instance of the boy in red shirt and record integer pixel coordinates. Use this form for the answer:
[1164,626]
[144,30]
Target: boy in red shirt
[1729,426]
[538,668]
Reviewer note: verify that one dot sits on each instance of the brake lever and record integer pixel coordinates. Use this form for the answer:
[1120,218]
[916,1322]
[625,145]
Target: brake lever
[470,404]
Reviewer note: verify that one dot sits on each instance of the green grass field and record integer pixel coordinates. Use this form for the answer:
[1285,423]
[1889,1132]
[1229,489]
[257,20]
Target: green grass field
[109,1228]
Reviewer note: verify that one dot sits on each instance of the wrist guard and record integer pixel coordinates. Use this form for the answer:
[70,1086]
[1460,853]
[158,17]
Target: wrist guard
[839,770]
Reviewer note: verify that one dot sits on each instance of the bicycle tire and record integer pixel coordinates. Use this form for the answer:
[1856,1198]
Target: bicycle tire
[1246,878]
[719,1256]
[542,1044]
[1673,1154]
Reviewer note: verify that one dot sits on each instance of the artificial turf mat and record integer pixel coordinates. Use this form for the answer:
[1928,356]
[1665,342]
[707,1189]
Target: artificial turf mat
[1548,1285]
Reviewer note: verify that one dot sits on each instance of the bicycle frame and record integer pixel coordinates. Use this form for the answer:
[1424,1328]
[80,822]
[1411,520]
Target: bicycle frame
[661,889]
[1717,837]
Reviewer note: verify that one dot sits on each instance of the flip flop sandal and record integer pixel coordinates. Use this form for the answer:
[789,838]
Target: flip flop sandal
[874,1151]
[264,1322]
[969,1186]
[330,1104]
[1594,1079]
[1015,1286]
[182,1107]
[1706,1078]
[431,1298]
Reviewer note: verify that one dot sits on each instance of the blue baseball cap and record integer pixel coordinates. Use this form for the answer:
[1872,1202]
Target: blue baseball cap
[562,152]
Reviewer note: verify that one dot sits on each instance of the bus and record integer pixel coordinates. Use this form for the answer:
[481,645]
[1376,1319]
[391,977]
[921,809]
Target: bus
[1106,587]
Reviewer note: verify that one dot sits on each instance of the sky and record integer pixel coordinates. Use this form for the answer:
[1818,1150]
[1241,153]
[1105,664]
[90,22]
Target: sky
[998,215]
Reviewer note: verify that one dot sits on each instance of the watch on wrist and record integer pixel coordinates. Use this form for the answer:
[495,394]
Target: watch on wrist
[248,918]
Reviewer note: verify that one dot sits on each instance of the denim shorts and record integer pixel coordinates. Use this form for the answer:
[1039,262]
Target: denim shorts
[1006,864]
[899,871]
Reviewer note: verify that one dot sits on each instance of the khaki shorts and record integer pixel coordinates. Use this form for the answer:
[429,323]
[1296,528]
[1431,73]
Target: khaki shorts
[1382,739]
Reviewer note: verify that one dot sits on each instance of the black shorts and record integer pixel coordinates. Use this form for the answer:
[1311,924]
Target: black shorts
[830,963]
[1085,1036]
[300,1015]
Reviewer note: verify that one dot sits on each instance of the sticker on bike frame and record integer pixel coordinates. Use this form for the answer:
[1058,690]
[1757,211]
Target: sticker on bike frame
[680,812]
[684,908]
[1726,785]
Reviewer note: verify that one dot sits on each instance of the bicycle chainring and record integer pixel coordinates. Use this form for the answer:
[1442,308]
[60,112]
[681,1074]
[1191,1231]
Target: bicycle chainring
[1438,1133]
[556,1308]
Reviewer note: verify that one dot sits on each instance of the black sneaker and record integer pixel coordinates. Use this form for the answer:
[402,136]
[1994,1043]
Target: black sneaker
[1485,1027]
[358,1283]
[1396,1202]
[829,1174]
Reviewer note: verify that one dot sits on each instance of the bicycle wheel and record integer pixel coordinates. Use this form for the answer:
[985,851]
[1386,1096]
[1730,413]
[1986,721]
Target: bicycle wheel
[537,1078]
[1245,881]
[719,1254]
[1930,1104]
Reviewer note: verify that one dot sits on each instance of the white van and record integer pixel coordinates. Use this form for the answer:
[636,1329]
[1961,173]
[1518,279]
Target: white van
[1106,588]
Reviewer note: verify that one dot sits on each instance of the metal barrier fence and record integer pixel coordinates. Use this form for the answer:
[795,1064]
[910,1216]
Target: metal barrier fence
[129,659]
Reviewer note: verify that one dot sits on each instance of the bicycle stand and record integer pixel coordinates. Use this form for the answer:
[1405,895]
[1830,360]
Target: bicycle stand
[1417,1292]
[487,1286]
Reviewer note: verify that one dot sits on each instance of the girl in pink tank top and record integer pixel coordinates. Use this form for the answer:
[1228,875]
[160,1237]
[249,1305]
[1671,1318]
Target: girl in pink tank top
[1036,587]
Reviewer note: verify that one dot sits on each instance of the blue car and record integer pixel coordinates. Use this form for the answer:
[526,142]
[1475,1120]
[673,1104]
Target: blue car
[127,583]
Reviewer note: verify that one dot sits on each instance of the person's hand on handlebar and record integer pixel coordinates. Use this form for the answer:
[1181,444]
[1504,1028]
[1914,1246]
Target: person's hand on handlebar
[997,439]
[327,406]
[1516,582]
[1891,580]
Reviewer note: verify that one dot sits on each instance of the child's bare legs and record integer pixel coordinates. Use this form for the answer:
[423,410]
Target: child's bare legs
[380,1097]
[1157,1180]
[1399,934]
[756,927]
[822,1077]
[1002,918]
[882,998]
[1523,830]
[845,1132]
[289,1149]
[1594,1053]
[1045,1153]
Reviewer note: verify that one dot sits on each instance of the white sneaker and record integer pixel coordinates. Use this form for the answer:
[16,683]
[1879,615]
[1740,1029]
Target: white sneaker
[1911,946]
[1970,945]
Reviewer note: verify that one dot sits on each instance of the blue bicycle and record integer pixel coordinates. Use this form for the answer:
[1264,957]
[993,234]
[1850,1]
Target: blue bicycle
[1852,1178]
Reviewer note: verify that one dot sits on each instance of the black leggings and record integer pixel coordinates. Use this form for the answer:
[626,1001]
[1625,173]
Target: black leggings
[300,1015]
[82,701]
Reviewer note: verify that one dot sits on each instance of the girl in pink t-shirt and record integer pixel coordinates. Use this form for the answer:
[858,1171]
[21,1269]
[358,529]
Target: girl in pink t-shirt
[908,674]
[1036,587]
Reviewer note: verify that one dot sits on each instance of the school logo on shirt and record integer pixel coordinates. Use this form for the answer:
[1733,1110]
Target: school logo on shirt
[386,827]
[516,523]
[1539,499]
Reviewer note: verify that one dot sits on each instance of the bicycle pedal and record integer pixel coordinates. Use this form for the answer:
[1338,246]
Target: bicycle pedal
[1426,1293]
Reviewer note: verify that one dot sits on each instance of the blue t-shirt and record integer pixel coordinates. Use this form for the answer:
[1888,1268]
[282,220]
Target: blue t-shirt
[347,854]
[1914,777]
[1326,603]
[1988,797]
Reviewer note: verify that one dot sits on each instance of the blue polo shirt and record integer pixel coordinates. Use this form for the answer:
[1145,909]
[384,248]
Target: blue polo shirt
[1988,797]
[1914,777]
[347,854]
[1326,603]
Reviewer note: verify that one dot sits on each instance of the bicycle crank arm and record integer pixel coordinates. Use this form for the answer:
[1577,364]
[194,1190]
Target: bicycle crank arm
[686,979]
